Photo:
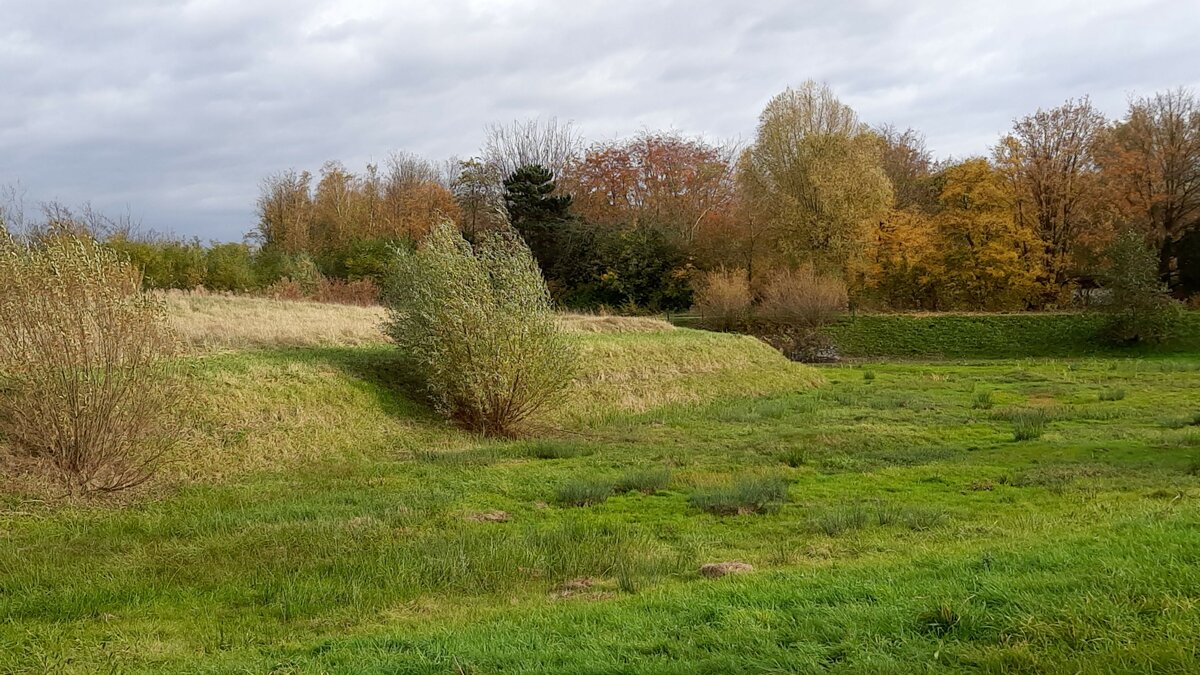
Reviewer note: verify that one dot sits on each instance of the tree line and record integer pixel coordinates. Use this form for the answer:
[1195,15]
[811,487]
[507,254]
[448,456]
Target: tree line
[637,223]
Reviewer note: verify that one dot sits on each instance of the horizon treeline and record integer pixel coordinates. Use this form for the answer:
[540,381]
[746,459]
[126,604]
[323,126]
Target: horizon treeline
[635,223]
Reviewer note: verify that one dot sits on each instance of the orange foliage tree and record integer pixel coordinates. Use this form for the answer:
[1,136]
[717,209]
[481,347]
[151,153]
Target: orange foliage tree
[682,186]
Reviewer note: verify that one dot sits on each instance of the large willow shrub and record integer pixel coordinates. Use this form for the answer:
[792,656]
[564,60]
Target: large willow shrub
[84,374]
[477,325]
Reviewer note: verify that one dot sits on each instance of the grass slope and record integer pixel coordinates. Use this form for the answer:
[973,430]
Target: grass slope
[991,335]
[334,524]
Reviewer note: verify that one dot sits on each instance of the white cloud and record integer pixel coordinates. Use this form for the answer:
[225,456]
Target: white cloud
[176,110]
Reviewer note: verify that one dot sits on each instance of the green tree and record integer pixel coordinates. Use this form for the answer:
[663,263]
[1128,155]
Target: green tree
[537,213]
[636,269]
[228,268]
[1139,307]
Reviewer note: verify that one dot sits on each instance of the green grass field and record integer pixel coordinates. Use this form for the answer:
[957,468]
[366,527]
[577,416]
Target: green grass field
[322,519]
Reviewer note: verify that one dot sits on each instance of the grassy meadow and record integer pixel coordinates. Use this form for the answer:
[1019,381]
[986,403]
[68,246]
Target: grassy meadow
[1009,515]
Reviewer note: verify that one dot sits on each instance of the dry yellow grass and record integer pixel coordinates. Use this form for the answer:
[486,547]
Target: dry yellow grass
[208,322]
[602,323]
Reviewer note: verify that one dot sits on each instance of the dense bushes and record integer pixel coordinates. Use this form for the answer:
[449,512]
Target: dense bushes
[476,324]
[348,275]
[83,381]
[802,298]
[635,269]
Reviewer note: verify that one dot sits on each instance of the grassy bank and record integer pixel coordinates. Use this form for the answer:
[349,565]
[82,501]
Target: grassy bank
[990,335]
[321,519]
[915,529]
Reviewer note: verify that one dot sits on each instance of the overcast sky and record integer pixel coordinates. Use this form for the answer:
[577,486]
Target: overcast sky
[174,111]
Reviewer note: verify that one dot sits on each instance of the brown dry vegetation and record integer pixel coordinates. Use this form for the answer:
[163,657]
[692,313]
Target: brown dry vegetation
[208,321]
[212,321]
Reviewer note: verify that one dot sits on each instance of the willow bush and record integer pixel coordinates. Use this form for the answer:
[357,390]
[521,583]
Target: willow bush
[477,325]
[84,369]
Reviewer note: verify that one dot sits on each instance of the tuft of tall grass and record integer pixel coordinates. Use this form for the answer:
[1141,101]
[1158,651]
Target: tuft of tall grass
[983,400]
[555,450]
[839,519]
[1029,424]
[843,518]
[1117,394]
[648,481]
[752,494]
[583,492]
[938,620]
[794,456]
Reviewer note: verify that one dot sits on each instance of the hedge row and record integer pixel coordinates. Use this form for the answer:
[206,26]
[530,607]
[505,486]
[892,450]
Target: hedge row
[990,335]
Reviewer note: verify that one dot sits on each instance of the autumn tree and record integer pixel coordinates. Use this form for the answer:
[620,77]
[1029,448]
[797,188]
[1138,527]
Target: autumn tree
[743,238]
[284,210]
[480,196]
[816,171]
[415,198]
[909,166]
[336,214]
[1048,159]
[345,208]
[678,184]
[1151,168]
[902,266]
[547,143]
[985,256]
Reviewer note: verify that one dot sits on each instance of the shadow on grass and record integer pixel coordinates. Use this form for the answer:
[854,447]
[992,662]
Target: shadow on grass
[381,371]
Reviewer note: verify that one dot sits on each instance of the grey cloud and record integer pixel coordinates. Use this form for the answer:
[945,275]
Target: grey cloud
[176,110]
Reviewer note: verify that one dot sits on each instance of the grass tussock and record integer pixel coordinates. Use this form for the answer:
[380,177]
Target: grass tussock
[842,518]
[747,495]
[983,400]
[1115,394]
[1029,424]
[584,492]
[647,481]
[554,449]
[793,456]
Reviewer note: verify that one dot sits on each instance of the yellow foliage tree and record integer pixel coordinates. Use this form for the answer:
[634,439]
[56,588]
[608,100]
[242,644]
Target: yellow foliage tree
[816,172]
[986,258]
